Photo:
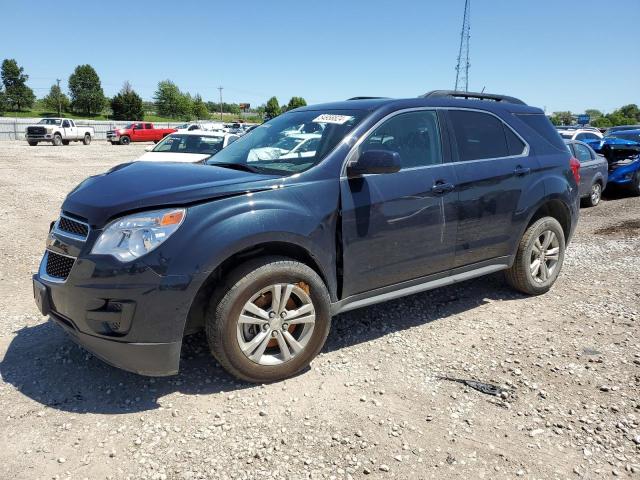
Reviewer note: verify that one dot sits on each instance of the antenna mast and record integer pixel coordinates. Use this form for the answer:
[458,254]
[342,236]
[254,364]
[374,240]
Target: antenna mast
[462,71]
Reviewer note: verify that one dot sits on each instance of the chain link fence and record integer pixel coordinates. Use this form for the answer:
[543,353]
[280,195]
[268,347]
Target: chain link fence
[13,128]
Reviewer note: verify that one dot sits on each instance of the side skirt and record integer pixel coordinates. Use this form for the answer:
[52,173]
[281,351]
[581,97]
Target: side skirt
[418,285]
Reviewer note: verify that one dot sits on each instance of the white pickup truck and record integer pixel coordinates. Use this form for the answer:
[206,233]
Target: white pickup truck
[59,131]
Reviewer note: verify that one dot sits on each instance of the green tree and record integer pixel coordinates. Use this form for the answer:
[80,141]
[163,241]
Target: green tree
[56,100]
[199,109]
[593,113]
[171,102]
[127,104]
[272,108]
[296,102]
[562,118]
[601,122]
[16,92]
[629,111]
[86,90]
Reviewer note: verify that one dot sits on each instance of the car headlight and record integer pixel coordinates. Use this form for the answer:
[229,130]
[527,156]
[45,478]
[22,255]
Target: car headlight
[49,129]
[133,236]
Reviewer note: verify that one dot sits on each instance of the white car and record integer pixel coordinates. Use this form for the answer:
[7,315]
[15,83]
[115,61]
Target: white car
[212,126]
[59,131]
[581,134]
[188,146]
[295,145]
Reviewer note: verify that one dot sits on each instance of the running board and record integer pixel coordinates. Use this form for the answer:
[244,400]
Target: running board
[403,289]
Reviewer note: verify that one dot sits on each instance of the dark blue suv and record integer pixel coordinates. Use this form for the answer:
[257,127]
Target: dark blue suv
[321,210]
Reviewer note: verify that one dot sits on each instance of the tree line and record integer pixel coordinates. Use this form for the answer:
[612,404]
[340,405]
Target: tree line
[86,97]
[626,115]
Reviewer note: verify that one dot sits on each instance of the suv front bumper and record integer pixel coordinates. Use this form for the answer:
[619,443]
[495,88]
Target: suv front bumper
[127,315]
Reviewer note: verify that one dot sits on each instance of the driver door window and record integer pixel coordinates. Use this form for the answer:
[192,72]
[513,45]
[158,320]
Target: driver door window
[415,136]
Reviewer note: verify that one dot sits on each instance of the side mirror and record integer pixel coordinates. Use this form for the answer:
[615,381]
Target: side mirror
[148,148]
[374,161]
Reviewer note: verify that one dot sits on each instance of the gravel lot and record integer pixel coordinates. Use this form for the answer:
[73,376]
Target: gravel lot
[371,406]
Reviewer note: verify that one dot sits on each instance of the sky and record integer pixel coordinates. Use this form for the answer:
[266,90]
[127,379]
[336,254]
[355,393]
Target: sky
[554,54]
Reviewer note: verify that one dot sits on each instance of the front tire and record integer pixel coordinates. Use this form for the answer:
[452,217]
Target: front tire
[125,140]
[594,196]
[65,142]
[268,320]
[635,188]
[57,140]
[33,144]
[539,257]
[87,139]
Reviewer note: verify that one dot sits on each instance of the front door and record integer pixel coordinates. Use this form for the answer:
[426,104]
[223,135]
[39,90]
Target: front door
[493,169]
[400,226]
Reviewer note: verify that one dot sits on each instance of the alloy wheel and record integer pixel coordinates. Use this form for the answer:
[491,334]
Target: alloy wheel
[596,193]
[544,256]
[276,324]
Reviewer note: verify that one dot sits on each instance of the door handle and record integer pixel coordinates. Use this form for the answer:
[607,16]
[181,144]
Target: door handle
[442,187]
[520,171]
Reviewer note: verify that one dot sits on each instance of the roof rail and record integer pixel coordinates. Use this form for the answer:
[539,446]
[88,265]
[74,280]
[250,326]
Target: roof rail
[472,96]
[365,98]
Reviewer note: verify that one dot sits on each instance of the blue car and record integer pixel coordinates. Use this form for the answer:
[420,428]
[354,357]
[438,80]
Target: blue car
[622,151]
[261,244]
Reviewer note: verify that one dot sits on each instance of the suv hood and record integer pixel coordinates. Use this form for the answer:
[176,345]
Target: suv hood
[147,185]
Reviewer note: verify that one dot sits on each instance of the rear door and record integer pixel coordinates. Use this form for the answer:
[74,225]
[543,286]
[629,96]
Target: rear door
[587,167]
[400,226]
[493,168]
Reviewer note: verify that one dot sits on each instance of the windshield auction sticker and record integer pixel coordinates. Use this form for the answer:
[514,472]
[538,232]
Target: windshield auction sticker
[329,118]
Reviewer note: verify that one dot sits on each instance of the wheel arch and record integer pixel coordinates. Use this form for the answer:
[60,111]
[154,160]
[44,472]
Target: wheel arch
[295,251]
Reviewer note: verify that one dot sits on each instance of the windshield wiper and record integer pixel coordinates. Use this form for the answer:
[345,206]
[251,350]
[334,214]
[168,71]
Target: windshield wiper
[236,166]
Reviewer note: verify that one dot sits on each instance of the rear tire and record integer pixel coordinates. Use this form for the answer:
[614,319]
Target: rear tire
[286,335]
[87,139]
[594,196]
[57,140]
[125,140]
[33,144]
[539,257]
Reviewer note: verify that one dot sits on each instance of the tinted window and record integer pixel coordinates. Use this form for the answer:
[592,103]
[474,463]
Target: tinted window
[541,124]
[66,124]
[414,135]
[478,135]
[582,152]
[148,126]
[515,145]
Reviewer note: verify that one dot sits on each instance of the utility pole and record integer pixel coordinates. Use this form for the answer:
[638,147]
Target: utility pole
[220,90]
[462,71]
[59,99]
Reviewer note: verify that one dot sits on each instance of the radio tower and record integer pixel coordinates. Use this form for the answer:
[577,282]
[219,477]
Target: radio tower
[462,71]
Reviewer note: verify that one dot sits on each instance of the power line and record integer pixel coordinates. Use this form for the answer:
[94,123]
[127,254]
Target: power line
[462,71]
[220,90]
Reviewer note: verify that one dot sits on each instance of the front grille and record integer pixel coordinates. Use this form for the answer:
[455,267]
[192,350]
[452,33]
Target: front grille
[36,130]
[74,227]
[59,266]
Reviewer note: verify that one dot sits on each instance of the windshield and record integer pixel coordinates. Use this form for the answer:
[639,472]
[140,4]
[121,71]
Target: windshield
[278,147]
[622,135]
[50,121]
[203,144]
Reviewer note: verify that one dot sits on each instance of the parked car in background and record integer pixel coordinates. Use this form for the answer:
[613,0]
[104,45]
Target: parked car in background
[58,131]
[594,170]
[138,132]
[397,197]
[188,146]
[621,128]
[579,133]
[622,151]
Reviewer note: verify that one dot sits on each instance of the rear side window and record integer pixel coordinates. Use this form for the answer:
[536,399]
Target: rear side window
[147,126]
[480,135]
[582,152]
[541,124]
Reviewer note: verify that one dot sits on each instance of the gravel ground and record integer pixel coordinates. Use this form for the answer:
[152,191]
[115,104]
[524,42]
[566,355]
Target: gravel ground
[372,405]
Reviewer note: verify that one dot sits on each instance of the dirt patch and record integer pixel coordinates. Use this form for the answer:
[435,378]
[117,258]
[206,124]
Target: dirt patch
[630,228]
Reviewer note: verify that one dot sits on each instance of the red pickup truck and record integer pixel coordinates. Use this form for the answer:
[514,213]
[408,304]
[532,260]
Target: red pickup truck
[138,132]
